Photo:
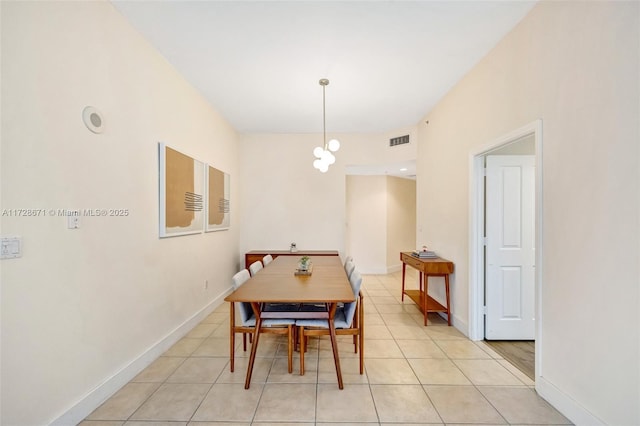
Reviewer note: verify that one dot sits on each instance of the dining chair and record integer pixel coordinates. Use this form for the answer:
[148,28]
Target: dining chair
[267,259]
[346,259]
[240,278]
[348,320]
[255,267]
[248,323]
[349,267]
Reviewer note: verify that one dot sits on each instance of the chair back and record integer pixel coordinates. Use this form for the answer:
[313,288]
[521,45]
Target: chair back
[350,308]
[348,258]
[349,267]
[267,259]
[244,308]
[246,312]
[255,267]
[240,278]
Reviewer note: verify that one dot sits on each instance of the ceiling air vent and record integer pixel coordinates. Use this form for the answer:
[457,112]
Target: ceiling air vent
[400,140]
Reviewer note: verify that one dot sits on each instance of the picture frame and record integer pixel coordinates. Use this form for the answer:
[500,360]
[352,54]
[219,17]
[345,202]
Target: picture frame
[218,212]
[181,193]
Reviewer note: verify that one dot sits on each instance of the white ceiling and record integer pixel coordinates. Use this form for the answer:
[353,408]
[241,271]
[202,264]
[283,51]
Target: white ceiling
[258,62]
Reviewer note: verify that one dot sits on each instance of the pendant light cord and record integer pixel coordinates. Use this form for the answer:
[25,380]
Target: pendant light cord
[324,118]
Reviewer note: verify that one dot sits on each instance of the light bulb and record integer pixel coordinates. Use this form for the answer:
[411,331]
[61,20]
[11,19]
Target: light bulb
[334,145]
[317,151]
[330,158]
[317,163]
[324,168]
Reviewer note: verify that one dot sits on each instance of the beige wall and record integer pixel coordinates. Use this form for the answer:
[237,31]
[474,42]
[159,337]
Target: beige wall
[367,198]
[83,310]
[401,219]
[284,199]
[574,65]
[381,221]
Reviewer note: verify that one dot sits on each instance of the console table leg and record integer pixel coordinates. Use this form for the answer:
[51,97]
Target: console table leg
[446,286]
[404,267]
[426,295]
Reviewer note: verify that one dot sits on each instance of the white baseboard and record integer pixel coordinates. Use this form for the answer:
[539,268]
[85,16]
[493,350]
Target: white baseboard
[111,385]
[372,271]
[394,268]
[566,405]
[457,323]
[381,270]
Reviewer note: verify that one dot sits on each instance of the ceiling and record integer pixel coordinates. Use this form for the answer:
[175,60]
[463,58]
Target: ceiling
[389,62]
[259,62]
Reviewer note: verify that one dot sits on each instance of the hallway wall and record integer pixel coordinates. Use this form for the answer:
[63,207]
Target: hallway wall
[575,66]
[84,309]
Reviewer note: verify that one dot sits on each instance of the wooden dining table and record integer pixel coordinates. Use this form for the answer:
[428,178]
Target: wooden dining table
[278,283]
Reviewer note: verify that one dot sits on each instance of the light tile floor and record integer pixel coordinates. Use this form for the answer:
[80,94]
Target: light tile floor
[413,375]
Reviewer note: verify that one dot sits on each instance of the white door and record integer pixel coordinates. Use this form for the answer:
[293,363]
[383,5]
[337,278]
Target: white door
[510,250]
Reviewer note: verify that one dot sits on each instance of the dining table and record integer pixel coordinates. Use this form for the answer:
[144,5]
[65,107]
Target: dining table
[325,284]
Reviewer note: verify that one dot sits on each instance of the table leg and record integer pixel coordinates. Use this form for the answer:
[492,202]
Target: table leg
[334,343]
[426,296]
[446,285]
[404,267]
[232,335]
[254,345]
[302,348]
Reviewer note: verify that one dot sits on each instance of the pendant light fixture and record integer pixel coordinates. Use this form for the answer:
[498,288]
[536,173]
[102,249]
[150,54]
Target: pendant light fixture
[324,154]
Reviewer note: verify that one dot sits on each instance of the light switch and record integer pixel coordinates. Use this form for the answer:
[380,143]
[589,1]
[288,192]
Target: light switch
[10,248]
[73,221]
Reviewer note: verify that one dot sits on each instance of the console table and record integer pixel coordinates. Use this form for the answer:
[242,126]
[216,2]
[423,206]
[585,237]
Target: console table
[254,255]
[436,267]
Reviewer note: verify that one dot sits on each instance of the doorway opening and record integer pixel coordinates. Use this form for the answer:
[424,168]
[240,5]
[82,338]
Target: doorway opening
[520,353]
[524,141]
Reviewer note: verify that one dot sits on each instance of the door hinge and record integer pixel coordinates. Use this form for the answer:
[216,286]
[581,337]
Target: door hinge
[484,172]
[484,310]
[485,241]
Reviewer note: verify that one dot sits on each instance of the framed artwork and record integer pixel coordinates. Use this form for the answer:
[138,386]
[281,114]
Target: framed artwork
[218,209]
[182,193]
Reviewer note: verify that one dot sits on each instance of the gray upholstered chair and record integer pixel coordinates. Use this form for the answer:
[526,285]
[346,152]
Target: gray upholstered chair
[349,267]
[255,267]
[348,320]
[248,324]
[240,278]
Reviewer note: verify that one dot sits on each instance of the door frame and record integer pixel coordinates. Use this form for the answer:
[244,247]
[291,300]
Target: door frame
[476,234]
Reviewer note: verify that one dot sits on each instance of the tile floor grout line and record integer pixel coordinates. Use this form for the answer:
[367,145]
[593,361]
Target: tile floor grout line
[414,373]
[157,389]
[387,320]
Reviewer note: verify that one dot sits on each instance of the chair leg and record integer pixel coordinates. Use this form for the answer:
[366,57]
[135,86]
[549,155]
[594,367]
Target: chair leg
[244,341]
[232,337]
[361,356]
[302,348]
[290,347]
[232,343]
[296,342]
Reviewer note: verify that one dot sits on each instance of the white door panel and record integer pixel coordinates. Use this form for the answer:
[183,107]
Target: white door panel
[510,230]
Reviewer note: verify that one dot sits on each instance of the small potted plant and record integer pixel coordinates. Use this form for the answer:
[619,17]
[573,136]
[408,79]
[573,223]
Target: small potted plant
[305,262]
